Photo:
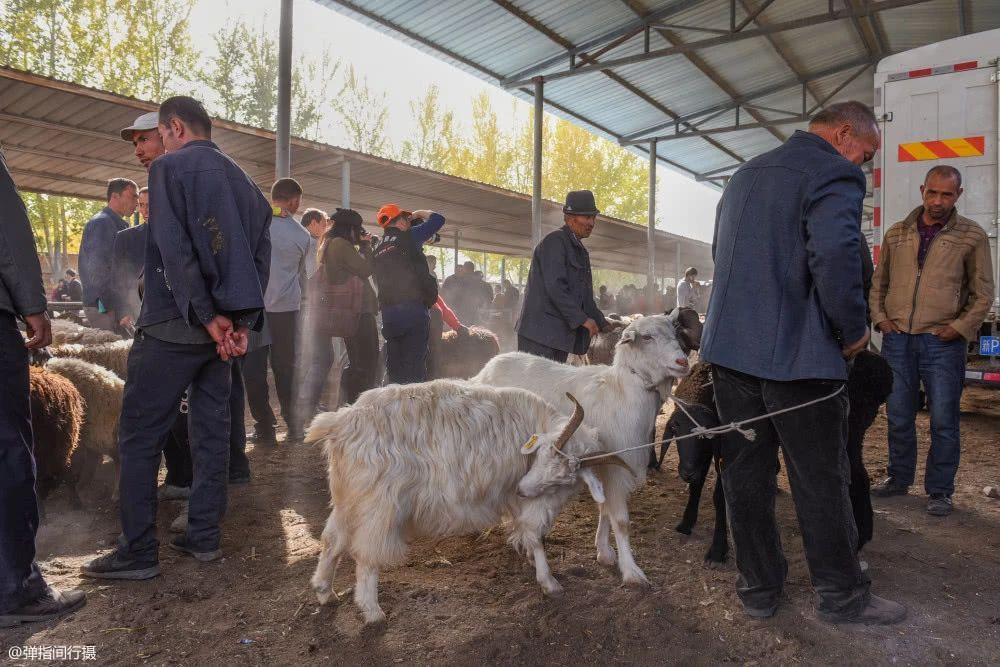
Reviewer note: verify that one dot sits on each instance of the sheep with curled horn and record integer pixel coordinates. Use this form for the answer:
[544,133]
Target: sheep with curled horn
[446,458]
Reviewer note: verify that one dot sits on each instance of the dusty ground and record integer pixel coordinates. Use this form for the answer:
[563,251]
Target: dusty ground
[472,600]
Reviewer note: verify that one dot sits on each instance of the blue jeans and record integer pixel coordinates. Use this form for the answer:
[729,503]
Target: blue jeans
[917,358]
[20,580]
[406,329]
[158,374]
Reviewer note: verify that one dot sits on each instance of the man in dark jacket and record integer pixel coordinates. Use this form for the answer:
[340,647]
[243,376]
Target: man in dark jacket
[206,266]
[406,290]
[24,596]
[559,314]
[786,313]
[97,252]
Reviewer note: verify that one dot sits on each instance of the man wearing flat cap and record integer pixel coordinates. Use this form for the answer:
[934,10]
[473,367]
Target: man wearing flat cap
[559,314]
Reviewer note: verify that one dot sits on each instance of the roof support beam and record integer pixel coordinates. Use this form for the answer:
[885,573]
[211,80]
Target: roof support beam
[620,80]
[743,99]
[763,124]
[774,28]
[632,28]
[700,63]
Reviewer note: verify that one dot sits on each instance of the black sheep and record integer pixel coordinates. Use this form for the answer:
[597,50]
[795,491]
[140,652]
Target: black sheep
[868,387]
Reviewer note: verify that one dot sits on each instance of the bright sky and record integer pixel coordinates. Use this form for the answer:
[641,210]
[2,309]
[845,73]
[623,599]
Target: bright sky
[683,205]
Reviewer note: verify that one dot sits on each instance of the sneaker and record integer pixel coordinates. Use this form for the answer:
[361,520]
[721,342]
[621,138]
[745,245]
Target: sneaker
[239,477]
[878,611]
[180,524]
[180,543]
[50,605]
[760,612]
[890,487]
[114,565]
[264,439]
[939,505]
[261,435]
[171,492]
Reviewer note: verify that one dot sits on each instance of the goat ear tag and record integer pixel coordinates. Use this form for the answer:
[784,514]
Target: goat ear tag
[530,446]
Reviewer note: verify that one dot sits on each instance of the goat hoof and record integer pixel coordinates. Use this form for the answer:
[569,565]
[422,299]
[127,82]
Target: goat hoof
[323,593]
[607,558]
[552,589]
[373,616]
[683,529]
[715,562]
[636,581]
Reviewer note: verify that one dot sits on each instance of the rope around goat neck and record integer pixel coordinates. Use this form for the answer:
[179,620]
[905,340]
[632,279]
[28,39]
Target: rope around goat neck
[703,432]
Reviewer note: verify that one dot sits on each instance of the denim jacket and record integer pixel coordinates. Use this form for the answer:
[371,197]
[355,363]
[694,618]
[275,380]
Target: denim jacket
[208,248]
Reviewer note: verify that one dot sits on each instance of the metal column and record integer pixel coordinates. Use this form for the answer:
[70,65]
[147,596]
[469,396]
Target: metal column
[283,155]
[651,229]
[677,263]
[345,184]
[536,167]
[457,234]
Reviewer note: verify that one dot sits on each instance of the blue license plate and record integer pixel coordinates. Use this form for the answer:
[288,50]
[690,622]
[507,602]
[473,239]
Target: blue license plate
[989,345]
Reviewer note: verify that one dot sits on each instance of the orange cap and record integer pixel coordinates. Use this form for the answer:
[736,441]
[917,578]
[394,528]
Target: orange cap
[388,213]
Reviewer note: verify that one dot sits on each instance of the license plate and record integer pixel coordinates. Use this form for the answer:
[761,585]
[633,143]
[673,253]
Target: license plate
[989,345]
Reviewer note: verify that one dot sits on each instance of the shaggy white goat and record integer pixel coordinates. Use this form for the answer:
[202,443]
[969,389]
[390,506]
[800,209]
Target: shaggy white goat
[102,393]
[621,401]
[444,458]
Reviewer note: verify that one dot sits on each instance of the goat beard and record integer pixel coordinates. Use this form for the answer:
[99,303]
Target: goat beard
[665,388]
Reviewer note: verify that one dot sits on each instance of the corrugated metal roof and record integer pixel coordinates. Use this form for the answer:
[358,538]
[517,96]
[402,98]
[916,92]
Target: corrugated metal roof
[498,39]
[62,138]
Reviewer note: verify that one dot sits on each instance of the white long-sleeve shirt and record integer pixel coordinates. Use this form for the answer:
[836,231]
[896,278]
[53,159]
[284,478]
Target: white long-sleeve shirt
[687,294]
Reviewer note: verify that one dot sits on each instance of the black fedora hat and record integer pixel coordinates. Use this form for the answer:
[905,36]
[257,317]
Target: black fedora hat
[580,202]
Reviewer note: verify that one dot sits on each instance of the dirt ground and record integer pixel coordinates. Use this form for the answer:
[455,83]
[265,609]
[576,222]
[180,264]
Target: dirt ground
[473,600]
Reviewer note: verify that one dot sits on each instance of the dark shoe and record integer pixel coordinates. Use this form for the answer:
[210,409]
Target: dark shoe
[939,505]
[114,565]
[52,604]
[262,436]
[180,543]
[890,487]
[239,477]
[760,612]
[878,611]
[265,439]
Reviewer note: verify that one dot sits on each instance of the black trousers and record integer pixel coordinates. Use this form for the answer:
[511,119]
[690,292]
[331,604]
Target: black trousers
[20,580]
[281,354]
[539,350]
[813,441]
[177,447]
[159,372]
[362,359]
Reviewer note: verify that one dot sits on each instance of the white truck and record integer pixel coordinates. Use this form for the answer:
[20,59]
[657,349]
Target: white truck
[940,104]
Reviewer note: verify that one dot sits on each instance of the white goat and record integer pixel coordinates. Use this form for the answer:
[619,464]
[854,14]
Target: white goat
[621,401]
[444,458]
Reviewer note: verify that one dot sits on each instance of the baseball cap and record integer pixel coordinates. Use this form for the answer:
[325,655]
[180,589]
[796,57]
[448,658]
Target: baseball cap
[388,213]
[147,121]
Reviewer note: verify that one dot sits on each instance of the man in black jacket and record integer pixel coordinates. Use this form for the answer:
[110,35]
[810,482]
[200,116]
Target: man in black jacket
[24,596]
[559,315]
[205,270]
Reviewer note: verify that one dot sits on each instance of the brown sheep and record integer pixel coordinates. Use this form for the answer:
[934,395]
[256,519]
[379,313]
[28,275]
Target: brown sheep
[102,393]
[463,356]
[112,356]
[602,346]
[56,419]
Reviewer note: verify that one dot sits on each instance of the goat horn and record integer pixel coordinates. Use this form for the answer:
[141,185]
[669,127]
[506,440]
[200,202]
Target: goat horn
[573,423]
[614,460]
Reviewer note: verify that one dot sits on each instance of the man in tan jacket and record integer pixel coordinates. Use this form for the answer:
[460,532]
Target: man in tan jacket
[932,289]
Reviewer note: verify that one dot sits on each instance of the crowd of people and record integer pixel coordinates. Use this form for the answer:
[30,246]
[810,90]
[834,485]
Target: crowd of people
[221,283]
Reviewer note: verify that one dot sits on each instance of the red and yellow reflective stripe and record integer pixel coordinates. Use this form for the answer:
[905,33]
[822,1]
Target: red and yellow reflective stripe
[942,148]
